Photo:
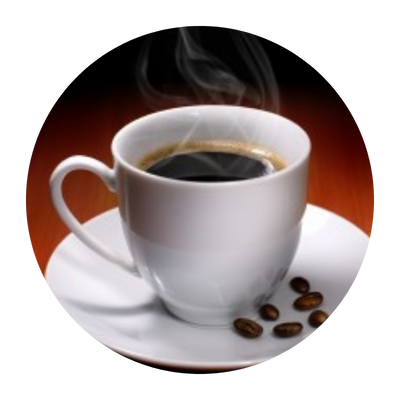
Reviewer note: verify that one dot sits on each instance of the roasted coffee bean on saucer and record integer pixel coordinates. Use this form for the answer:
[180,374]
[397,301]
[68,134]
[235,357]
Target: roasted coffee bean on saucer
[317,318]
[308,301]
[288,329]
[300,285]
[248,328]
[269,312]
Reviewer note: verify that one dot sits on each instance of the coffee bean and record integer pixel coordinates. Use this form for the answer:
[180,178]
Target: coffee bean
[300,285]
[269,312]
[317,318]
[308,301]
[248,328]
[288,329]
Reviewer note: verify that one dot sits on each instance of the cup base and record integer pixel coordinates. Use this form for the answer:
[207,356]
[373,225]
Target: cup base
[223,318]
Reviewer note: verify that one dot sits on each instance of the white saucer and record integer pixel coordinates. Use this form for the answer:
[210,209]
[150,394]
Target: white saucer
[123,313]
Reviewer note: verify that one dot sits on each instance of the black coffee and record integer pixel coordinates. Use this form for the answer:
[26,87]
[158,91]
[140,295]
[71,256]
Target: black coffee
[211,161]
[211,166]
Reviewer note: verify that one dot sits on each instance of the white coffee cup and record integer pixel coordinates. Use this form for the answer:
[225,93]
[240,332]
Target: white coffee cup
[211,251]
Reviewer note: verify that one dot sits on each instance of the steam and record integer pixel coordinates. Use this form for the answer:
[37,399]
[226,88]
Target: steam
[209,79]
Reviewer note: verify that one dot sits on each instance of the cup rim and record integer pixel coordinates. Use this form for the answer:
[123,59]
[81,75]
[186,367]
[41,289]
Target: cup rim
[183,183]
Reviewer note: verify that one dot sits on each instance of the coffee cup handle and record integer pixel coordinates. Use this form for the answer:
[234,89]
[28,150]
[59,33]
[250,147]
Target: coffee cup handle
[107,175]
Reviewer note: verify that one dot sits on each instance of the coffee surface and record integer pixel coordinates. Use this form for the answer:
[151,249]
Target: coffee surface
[212,162]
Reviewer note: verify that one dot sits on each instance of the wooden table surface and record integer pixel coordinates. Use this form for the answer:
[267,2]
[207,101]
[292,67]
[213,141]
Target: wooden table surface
[340,174]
